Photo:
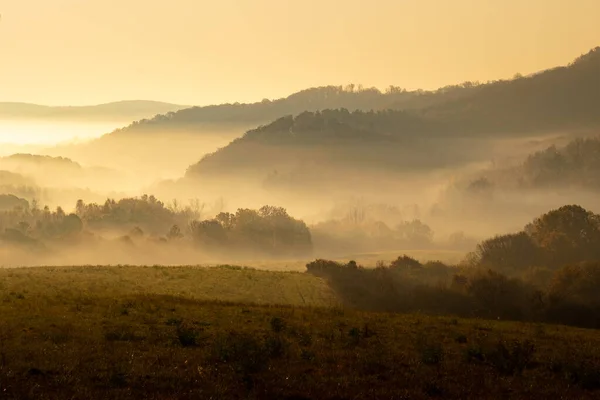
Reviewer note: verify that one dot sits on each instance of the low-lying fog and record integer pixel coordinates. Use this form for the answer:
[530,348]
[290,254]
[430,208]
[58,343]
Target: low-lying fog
[345,218]
[48,133]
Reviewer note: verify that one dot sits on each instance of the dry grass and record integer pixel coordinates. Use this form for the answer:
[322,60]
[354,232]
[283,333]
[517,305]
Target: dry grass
[226,283]
[122,333]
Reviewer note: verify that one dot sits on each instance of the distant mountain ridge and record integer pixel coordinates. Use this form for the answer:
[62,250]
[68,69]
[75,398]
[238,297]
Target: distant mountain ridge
[575,87]
[562,97]
[559,99]
[299,137]
[250,115]
[127,110]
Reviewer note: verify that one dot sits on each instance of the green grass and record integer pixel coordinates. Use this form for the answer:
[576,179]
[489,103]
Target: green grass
[150,333]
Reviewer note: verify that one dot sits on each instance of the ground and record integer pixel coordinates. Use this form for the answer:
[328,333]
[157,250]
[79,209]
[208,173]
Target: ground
[226,333]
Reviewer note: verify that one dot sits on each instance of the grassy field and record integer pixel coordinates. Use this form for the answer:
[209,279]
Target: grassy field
[151,333]
[225,283]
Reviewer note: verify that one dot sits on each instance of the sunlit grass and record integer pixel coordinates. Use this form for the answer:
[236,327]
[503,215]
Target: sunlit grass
[152,333]
[226,283]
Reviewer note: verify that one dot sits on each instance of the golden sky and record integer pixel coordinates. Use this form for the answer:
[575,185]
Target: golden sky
[72,52]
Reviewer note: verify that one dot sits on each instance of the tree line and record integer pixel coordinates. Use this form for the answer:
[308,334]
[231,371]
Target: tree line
[549,272]
[266,231]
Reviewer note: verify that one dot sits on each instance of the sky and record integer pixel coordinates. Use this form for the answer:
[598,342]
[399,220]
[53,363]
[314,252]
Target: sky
[196,52]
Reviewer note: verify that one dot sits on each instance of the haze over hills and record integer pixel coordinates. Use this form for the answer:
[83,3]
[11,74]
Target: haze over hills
[564,99]
[314,143]
[574,86]
[58,181]
[253,237]
[125,111]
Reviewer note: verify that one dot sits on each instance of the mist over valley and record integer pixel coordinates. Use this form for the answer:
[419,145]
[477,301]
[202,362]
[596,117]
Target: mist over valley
[273,231]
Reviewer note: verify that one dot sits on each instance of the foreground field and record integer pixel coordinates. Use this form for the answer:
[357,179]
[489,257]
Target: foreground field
[226,283]
[67,337]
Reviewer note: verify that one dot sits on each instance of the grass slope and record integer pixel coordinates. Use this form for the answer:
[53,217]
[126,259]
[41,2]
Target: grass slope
[86,333]
[224,283]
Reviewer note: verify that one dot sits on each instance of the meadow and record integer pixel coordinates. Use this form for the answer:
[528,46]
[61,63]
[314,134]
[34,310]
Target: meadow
[228,332]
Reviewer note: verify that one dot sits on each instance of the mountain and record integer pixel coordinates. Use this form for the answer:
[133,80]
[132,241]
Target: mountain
[247,116]
[569,92]
[116,111]
[175,140]
[442,129]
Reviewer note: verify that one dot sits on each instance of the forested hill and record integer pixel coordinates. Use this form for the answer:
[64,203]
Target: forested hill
[558,97]
[561,99]
[324,139]
[575,166]
[246,116]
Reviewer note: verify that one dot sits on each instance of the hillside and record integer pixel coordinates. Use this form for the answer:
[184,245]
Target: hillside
[314,99]
[572,91]
[564,98]
[335,137]
[175,140]
[56,179]
[116,111]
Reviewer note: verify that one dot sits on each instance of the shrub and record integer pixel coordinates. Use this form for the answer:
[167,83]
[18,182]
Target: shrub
[513,358]
[277,324]
[354,334]
[580,373]
[187,335]
[122,334]
[462,339]
[246,353]
[474,353]
[432,354]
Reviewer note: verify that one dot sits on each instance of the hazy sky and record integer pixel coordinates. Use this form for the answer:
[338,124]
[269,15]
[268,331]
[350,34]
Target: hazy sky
[198,52]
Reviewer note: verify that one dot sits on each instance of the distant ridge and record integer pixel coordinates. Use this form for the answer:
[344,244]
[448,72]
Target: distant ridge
[572,90]
[127,110]
[559,99]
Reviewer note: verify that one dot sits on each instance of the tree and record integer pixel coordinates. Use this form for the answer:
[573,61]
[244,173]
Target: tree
[574,297]
[498,295]
[577,284]
[415,232]
[209,232]
[270,230]
[508,253]
[174,233]
[80,208]
[568,234]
